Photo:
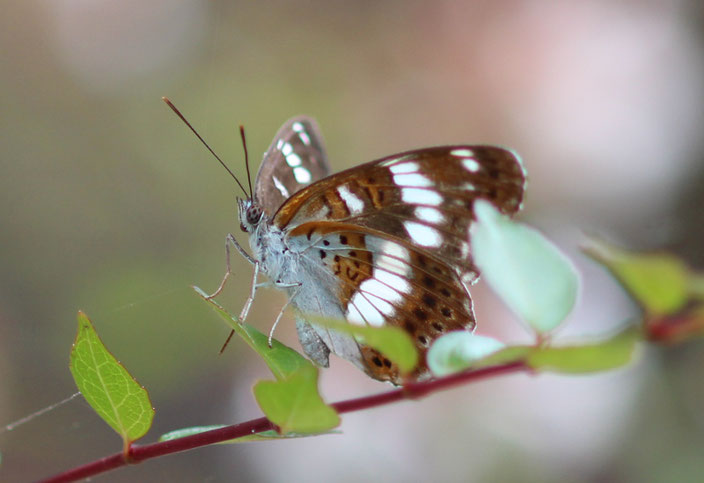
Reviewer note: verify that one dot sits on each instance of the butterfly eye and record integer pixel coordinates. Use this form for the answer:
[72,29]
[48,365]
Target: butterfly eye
[254,214]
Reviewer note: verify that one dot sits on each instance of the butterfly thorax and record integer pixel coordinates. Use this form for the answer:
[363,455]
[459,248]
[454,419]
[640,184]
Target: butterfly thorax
[267,242]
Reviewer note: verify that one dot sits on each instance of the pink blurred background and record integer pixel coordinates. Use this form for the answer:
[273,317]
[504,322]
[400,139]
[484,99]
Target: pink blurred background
[111,206]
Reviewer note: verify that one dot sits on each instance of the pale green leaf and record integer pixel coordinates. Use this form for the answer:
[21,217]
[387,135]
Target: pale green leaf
[393,342]
[530,274]
[459,350]
[183,432]
[659,282]
[263,436]
[600,356]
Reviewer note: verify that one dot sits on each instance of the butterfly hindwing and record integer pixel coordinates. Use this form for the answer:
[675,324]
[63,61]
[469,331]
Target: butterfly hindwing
[384,282]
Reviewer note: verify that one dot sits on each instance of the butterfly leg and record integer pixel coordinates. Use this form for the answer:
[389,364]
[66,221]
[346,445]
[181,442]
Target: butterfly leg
[230,238]
[250,299]
[247,304]
[281,313]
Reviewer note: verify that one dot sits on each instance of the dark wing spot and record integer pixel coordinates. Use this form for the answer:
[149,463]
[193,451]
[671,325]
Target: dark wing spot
[429,300]
[446,312]
[377,362]
[438,327]
[343,239]
[422,339]
[322,254]
[445,292]
[420,313]
[326,243]
[428,281]
[352,274]
[387,363]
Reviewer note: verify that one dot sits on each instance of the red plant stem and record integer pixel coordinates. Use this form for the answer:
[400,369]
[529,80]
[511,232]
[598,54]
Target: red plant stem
[412,390]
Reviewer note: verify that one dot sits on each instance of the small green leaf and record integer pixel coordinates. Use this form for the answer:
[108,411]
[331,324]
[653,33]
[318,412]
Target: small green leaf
[107,386]
[294,404]
[182,433]
[292,401]
[656,281]
[263,436]
[514,353]
[531,275]
[272,435]
[614,352]
[393,342]
[282,360]
[459,350]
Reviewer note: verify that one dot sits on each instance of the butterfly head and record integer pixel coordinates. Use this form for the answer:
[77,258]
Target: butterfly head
[250,213]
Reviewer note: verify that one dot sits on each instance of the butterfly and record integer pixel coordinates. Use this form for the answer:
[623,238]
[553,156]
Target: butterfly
[385,243]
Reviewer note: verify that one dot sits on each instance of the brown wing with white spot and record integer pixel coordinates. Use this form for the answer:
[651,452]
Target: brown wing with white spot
[424,196]
[295,159]
[395,233]
[390,282]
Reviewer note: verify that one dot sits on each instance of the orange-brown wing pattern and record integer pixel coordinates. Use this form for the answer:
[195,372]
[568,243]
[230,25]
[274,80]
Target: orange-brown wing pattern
[425,196]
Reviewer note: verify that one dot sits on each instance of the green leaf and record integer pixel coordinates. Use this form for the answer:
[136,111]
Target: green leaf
[263,436]
[281,359]
[294,404]
[614,352]
[107,386]
[292,401]
[272,435]
[658,282]
[393,342]
[182,433]
[459,350]
[514,353]
[530,274]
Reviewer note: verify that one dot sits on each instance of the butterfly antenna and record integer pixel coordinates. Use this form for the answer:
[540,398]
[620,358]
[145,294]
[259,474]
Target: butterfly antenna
[178,113]
[246,161]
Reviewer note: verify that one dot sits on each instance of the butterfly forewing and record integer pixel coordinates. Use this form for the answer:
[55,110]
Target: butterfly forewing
[394,234]
[424,196]
[295,159]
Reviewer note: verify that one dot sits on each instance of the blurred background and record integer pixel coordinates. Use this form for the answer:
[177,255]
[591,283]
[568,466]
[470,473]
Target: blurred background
[109,204]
